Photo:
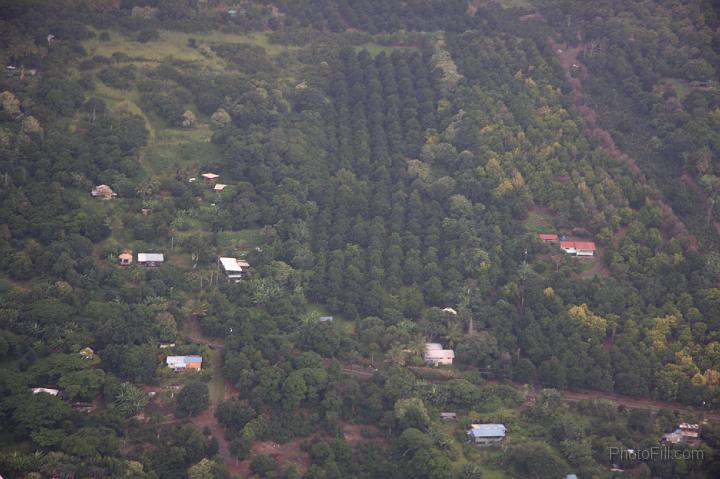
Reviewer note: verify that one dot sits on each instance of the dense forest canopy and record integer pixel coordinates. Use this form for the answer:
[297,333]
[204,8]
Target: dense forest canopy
[385,169]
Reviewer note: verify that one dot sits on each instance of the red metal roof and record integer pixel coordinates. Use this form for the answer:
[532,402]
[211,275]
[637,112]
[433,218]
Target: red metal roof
[586,245]
[544,236]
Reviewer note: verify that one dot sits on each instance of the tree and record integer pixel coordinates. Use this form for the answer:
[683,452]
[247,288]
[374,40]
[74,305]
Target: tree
[221,118]
[129,399]
[85,384]
[263,464]
[193,399]
[188,119]
[206,469]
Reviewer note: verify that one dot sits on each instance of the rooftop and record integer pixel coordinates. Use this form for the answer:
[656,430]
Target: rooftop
[151,257]
[233,264]
[487,430]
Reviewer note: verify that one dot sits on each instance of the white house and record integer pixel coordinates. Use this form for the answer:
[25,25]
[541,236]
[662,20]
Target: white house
[486,434]
[151,259]
[436,355]
[234,268]
[578,248]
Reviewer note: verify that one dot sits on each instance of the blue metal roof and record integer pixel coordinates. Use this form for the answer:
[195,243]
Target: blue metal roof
[193,359]
[487,430]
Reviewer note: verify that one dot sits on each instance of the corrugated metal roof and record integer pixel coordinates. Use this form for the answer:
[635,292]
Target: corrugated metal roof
[230,265]
[487,430]
[151,257]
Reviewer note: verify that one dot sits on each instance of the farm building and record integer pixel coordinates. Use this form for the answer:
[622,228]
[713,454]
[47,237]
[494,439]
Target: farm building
[234,268]
[210,176]
[436,355]
[548,238]
[184,363]
[151,259]
[578,248]
[125,258]
[219,187]
[685,433]
[486,434]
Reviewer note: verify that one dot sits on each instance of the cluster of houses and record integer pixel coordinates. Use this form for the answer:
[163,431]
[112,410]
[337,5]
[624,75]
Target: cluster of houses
[685,433]
[211,179]
[572,247]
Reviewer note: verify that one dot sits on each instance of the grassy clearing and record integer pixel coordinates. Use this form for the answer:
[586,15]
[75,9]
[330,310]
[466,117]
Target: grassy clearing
[344,323]
[169,153]
[682,88]
[374,49]
[539,222]
[216,385]
[174,45]
[515,3]
[238,242]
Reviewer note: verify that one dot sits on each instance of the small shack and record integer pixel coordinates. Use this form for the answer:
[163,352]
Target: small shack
[151,259]
[210,177]
[548,238]
[448,416]
[103,192]
[219,187]
[325,319]
[125,258]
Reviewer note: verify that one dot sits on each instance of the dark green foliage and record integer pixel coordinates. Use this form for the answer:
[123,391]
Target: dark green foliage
[193,399]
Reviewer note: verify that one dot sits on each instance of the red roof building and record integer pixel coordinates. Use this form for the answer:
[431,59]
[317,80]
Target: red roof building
[548,237]
[578,248]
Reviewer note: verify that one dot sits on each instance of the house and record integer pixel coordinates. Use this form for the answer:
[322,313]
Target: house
[685,433]
[585,248]
[150,259]
[210,176]
[486,434]
[436,355]
[125,258]
[219,187]
[578,248]
[234,268]
[548,238]
[87,353]
[448,416]
[52,392]
[324,319]
[184,363]
[571,476]
[103,192]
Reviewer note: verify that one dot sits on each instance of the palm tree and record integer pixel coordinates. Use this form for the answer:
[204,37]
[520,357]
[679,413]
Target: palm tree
[453,334]
[416,346]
